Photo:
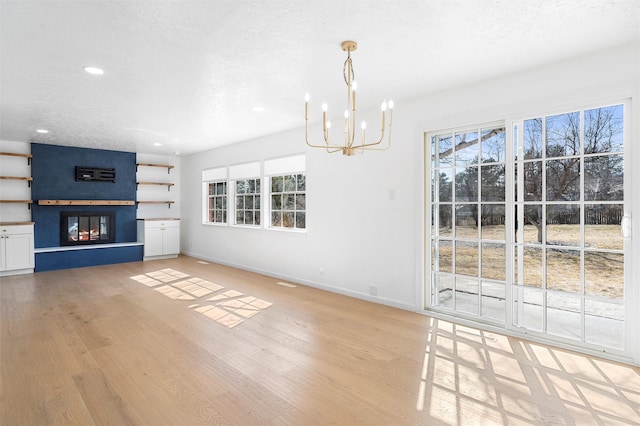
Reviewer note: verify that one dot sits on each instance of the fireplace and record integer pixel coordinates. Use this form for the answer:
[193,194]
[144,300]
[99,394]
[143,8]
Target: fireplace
[80,228]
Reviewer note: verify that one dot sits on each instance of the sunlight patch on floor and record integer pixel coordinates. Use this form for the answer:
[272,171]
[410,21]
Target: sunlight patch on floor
[228,308]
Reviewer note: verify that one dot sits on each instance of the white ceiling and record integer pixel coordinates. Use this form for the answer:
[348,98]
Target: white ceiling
[187,74]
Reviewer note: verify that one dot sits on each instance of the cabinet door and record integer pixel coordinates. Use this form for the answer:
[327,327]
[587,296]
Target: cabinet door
[153,242]
[171,241]
[19,251]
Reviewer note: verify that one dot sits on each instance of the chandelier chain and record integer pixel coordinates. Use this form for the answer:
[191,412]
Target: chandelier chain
[350,67]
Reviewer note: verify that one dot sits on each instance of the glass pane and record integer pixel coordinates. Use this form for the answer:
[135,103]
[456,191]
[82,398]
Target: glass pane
[493,297]
[603,130]
[563,180]
[290,183]
[532,268]
[218,203]
[301,181]
[467,184]
[445,256]
[248,202]
[492,182]
[276,184]
[494,261]
[218,217]
[444,289]
[300,202]
[493,145]
[301,221]
[466,148]
[83,228]
[563,314]
[533,181]
[72,226]
[604,274]
[445,187]
[240,217]
[276,202]
[445,150]
[240,202]
[466,258]
[212,190]
[604,178]
[563,270]
[532,138]
[467,295]
[604,322]
[257,217]
[289,201]
[445,219]
[256,202]
[241,187]
[533,224]
[563,134]
[288,219]
[94,228]
[602,226]
[251,186]
[492,222]
[467,221]
[563,225]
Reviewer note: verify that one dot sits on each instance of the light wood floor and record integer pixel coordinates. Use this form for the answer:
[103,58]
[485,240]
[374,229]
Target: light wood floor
[127,344]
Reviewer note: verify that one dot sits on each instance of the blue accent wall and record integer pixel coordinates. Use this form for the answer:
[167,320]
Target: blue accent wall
[53,172]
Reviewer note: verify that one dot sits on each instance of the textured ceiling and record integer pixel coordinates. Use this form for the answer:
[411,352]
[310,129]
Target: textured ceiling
[187,74]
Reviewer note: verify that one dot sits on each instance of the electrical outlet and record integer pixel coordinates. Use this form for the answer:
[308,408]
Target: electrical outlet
[321,269]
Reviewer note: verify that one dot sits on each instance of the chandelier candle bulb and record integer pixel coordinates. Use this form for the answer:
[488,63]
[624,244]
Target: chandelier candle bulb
[354,86]
[346,121]
[324,117]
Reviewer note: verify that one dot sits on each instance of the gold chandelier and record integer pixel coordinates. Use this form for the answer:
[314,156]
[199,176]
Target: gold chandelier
[350,145]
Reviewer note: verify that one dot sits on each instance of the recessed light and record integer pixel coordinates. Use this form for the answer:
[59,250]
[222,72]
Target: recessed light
[43,131]
[257,109]
[157,144]
[94,70]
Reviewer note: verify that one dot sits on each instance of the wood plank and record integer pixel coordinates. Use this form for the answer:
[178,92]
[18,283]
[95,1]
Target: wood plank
[166,166]
[155,202]
[17,201]
[105,405]
[29,178]
[15,223]
[86,202]
[16,154]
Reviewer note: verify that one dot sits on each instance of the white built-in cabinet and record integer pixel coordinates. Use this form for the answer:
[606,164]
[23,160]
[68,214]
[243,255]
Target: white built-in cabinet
[161,237]
[16,249]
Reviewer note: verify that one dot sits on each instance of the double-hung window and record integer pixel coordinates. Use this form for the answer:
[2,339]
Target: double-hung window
[245,180]
[214,182]
[287,207]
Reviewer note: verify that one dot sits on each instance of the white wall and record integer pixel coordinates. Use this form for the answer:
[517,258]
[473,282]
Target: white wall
[365,213]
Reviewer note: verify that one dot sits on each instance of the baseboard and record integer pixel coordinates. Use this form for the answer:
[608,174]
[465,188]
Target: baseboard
[302,281]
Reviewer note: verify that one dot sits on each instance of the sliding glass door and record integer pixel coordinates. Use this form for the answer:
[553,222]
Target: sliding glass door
[526,226]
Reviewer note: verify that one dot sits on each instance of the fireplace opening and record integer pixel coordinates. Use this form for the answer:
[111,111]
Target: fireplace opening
[79,228]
